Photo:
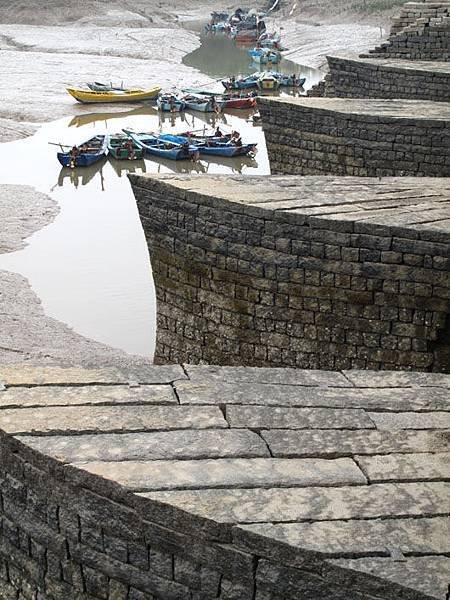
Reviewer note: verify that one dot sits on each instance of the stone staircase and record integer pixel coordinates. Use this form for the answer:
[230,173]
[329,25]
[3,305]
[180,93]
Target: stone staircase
[420,32]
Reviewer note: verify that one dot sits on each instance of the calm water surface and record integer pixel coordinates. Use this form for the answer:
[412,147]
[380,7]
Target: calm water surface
[90,266]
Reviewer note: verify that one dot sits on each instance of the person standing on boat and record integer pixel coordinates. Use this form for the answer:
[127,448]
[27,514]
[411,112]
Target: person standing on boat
[218,133]
[214,105]
[73,156]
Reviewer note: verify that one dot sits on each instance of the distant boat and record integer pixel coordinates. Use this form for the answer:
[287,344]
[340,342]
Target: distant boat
[156,146]
[265,55]
[170,103]
[200,103]
[227,100]
[241,83]
[85,154]
[212,146]
[290,80]
[89,97]
[122,147]
[268,81]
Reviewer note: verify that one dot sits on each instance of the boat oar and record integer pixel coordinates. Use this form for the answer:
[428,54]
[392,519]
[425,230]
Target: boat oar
[60,145]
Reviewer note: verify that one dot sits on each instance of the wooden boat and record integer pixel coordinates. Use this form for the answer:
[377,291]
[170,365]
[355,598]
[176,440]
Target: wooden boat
[89,97]
[268,81]
[240,101]
[241,83]
[156,146]
[265,55]
[170,103]
[120,146]
[212,146]
[200,103]
[85,154]
[290,80]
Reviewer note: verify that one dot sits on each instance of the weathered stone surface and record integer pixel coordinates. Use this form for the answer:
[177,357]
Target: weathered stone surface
[411,420]
[150,446]
[402,399]
[352,538]
[427,574]
[54,375]
[397,379]
[331,443]
[109,419]
[228,473]
[207,374]
[86,394]
[402,467]
[313,504]
[276,417]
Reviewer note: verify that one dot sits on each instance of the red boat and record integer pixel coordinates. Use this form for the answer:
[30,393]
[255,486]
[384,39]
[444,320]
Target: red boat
[230,102]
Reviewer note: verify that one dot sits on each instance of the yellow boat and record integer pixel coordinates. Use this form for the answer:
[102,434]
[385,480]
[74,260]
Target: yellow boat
[86,96]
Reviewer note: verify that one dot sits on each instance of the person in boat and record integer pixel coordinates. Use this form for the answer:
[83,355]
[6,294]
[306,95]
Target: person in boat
[129,147]
[218,133]
[172,103]
[214,105]
[74,152]
[236,138]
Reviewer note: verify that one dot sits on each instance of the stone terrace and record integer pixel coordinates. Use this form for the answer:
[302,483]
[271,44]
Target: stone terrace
[332,484]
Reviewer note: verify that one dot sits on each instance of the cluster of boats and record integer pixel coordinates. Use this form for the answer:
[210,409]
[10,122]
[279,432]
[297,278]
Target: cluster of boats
[268,80]
[130,145]
[242,25]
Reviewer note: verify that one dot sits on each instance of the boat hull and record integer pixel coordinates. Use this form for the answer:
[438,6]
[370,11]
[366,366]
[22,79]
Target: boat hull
[212,146]
[84,159]
[151,146]
[166,106]
[200,106]
[239,103]
[90,97]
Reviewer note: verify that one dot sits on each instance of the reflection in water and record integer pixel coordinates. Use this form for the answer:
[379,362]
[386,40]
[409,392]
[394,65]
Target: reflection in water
[123,167]
[86,119]
[82,176]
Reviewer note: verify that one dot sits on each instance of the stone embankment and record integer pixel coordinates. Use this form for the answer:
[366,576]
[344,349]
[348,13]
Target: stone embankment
[375,138]
[201,483]
[313,272]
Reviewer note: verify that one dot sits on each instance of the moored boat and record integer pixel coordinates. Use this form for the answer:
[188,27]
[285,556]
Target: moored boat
[156,146]
[227,100]
[201,103]
[241,83]
[214,146]
[85,154]
[265,55]
[122,147]
[268,81]
[97,86]
[89,97]
[170,103]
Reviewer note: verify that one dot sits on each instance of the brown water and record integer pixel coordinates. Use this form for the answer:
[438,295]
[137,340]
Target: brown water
[90,267]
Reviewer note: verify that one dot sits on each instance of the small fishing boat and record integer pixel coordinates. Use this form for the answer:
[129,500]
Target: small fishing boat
[201,103]
[156,146]
[241,83]
[85,154]
[268,81]
[290,80]
[170,103]
[122,147]
[265,55]
[89,97]
[235,101]
[212,145]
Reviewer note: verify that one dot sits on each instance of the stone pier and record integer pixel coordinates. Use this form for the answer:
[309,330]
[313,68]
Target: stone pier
[201,482]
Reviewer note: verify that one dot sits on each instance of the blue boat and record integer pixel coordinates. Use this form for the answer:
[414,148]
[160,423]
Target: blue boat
[212,145]
[289,80]
[265,55]
[241,83]
[156,146]
[170,103]
[85,154]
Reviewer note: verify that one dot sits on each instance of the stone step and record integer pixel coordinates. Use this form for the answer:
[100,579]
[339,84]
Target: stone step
[406,467]
[228,473]
[167,445]
[312,504]
[355,537]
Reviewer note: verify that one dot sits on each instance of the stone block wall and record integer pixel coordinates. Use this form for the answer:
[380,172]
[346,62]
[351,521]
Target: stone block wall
[347,137]
[245,285]
[359,78]
[420,32]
